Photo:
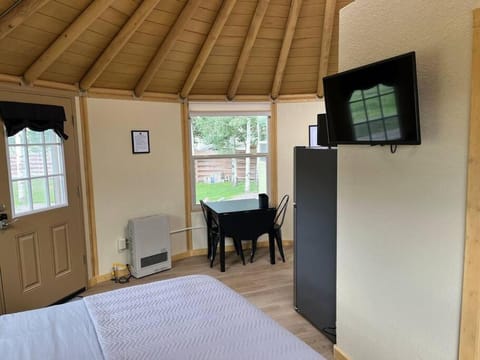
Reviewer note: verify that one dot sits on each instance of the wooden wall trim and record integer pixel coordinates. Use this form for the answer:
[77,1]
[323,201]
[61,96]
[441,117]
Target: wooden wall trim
[469,331]
[105,93]
[185,255]
[87,156]
[55,85]
[338,354]
[11,79]
[272,136]
[187,172]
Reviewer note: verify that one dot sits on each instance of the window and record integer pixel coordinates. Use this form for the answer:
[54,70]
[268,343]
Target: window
[230,155]
[36,171]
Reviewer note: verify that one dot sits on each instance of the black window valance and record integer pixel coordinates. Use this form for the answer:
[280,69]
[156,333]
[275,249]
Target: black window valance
[37,117]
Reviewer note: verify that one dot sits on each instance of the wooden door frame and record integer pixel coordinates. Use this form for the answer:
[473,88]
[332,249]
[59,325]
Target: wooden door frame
[469,348]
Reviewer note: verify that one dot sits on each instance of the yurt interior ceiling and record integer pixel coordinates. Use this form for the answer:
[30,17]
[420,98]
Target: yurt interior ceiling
[171,49]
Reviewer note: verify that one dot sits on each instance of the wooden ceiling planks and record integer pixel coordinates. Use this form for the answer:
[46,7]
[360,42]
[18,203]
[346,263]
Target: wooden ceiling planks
[65,39]
[306,40]
[168,43]
[228,48]
[18,14]
[234,53]
[327,34]
[114,47]
[260,70]
[220,20]
[253,30]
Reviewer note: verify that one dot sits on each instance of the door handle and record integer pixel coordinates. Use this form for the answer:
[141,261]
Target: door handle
[4,222]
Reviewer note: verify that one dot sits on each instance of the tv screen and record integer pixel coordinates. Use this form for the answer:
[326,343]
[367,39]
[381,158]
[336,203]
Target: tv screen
[374,104]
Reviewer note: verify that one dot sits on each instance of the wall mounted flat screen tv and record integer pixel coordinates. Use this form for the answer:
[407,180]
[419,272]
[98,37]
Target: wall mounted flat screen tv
[376,104]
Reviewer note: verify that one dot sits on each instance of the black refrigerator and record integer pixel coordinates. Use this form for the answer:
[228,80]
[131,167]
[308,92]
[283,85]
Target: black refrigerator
[315,235]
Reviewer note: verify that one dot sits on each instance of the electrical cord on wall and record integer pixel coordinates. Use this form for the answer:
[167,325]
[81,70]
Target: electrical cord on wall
[121,279]
[125,279]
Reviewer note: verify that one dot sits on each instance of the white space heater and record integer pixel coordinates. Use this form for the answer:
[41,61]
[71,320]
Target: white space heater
[149,243]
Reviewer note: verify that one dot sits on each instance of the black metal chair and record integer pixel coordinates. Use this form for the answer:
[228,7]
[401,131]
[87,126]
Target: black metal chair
[213,236]
[212,232]
[278,222]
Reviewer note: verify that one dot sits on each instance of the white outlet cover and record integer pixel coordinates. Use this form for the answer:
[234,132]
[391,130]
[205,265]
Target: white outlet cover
[122,244]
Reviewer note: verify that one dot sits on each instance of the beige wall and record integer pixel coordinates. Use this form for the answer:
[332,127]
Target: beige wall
[401,216]
[292,130]
[127,185]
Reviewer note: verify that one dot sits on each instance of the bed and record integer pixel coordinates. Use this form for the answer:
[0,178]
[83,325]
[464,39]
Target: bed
[191,317]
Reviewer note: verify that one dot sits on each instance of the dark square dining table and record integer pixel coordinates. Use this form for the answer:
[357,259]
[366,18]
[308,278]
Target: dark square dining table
[242,219]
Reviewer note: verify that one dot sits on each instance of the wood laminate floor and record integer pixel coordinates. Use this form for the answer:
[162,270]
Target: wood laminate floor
[269,287]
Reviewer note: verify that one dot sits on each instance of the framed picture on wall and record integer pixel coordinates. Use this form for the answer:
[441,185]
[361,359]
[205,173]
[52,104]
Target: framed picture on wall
[140,142]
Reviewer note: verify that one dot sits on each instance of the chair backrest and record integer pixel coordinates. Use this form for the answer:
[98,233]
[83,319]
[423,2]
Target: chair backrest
[281,210]
[205,215]
[204,210]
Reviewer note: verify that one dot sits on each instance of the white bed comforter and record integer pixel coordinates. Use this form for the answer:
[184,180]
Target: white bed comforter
[57,332]
[192,317]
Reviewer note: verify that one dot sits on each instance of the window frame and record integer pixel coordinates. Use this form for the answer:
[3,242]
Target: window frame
[223,111]
[29,176]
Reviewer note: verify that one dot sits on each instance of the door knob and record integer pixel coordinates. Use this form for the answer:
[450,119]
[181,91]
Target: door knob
[4,222]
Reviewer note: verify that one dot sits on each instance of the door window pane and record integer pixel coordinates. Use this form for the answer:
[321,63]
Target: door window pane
[39,193]
[18,165]
[54,159]
[51,137]
[21,196]
[34,137]
[18,138]
[33,157]
[56,186]
[36,161]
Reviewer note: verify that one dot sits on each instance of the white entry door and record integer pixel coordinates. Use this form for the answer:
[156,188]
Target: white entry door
[42,249]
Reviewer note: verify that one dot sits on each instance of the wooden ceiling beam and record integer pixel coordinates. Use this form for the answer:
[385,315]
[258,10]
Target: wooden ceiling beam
[117,44]
[295,7]
[167,44]
[327,34]
[257,20]
[220,20]
[81,23]
[17,15]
